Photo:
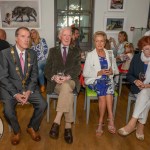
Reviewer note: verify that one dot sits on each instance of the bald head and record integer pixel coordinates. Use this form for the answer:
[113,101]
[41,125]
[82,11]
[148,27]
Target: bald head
[2,34]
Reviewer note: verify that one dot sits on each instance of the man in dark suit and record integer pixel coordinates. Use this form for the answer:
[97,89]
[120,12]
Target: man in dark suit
[63,59]
[3,43]
[18,83]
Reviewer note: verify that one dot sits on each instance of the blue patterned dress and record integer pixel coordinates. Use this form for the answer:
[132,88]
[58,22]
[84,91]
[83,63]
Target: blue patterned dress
[103,86]
[41,49]
[42,52]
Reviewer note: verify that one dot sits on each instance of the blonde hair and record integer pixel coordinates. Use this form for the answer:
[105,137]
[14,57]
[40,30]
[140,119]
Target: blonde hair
[130,45]
[100,33]
[37,39]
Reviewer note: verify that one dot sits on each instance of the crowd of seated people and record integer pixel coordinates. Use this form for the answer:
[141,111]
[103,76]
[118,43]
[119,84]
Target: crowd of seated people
[32,60]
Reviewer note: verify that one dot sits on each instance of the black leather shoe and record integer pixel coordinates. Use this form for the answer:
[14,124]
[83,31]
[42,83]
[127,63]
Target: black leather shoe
[68,136]
[54,132]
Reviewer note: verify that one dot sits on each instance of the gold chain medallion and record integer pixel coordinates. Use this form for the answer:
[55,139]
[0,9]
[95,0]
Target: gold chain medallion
[17,68]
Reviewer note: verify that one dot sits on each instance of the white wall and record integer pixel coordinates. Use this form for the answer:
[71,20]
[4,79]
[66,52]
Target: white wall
[136,13]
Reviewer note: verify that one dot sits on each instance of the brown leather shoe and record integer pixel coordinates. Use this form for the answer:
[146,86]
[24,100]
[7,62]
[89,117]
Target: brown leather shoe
[34,135]
[42,88]
[68,136]
[15,139]
[54,132]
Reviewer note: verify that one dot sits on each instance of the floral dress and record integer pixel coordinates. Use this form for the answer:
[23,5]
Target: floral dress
[103,86]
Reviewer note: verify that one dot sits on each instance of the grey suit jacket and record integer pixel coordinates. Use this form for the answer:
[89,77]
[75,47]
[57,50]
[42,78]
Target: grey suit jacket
[10,82]
[55,64]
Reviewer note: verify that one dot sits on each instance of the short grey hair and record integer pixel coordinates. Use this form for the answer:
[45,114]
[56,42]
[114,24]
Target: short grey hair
[62,30]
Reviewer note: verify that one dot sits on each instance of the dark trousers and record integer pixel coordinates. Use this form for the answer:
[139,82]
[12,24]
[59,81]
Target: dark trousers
[39,107]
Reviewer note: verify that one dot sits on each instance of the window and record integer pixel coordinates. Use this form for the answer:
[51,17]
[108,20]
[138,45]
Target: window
[78,13]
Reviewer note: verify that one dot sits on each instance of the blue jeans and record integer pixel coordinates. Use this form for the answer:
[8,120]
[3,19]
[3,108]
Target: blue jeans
[41,66]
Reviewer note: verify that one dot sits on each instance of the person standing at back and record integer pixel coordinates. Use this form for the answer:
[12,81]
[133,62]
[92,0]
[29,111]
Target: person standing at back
[75,37]
[61,71]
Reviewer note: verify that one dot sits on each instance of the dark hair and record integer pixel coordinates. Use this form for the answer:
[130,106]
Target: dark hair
[125,35]
[145,40]
[74,29]
[21,28]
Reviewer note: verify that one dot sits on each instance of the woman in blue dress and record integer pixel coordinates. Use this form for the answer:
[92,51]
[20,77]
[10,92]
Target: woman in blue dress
[98,73]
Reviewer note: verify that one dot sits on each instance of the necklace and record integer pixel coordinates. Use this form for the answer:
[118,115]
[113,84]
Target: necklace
[17,68]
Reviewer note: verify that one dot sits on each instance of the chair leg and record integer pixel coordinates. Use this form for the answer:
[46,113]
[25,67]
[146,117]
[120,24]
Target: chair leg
[9,127]
[54,101]
[75,107]
[120,84]
[115,105]
[48,108]
[128,108]
[85,100]
[87,110]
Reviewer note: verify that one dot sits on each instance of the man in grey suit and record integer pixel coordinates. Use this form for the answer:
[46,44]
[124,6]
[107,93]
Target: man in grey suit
[63,59]
[18,83]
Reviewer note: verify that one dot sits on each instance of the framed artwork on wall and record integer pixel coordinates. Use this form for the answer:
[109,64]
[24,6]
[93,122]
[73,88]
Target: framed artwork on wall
[148,21]
[116,5]
[114,24]
[15,14]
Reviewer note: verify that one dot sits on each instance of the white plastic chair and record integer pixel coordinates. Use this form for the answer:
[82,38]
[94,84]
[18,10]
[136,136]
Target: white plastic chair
[55,97]
[92,95]
[131,99]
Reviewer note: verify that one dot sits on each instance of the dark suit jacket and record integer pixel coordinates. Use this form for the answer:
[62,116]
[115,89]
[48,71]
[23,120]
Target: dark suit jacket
[55,64]
[10,82]
[136,66]
[4,44]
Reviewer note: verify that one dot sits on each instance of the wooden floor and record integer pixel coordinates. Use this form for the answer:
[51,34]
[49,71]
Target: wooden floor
[84,135]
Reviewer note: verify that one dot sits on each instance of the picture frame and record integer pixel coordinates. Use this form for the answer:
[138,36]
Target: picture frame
[10,14]
[114,24]
[148,20]
[116,5]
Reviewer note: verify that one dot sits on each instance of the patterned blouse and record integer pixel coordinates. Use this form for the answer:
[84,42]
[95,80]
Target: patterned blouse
[41,49]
